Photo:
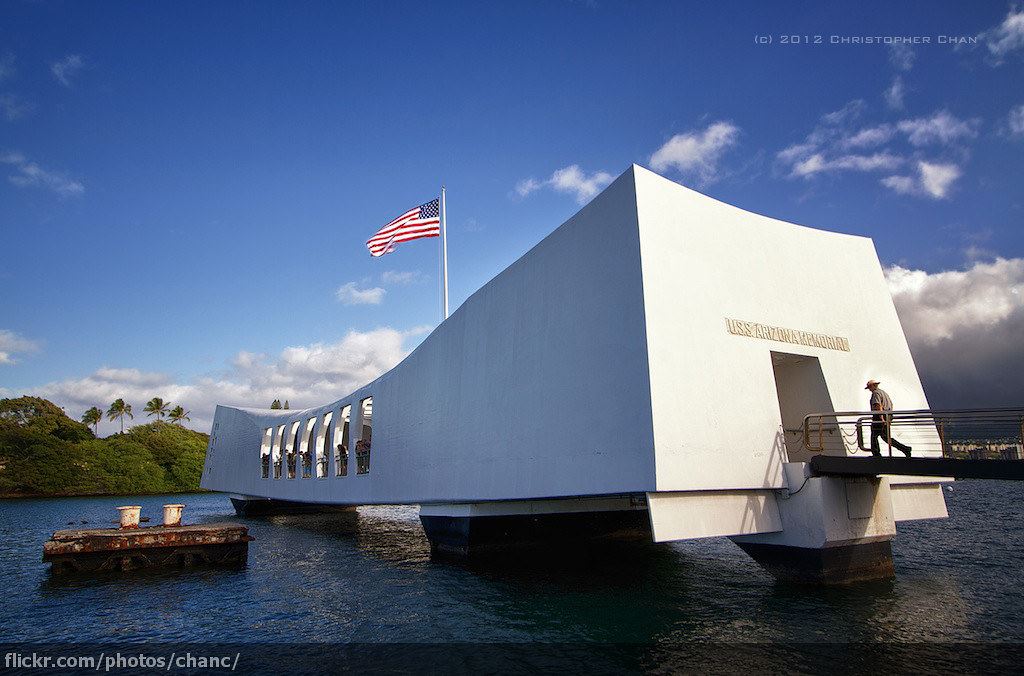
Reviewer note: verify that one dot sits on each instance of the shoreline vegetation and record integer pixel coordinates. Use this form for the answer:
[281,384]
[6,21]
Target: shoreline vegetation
[44,453]
[53,496]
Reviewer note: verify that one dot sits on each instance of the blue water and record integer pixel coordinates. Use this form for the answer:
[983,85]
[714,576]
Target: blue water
[369,577]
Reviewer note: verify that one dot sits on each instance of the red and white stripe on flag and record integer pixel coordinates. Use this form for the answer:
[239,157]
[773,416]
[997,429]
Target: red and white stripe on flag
[423,221]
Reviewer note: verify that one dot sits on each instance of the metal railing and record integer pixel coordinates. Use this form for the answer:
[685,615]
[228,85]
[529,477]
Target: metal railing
[960,433]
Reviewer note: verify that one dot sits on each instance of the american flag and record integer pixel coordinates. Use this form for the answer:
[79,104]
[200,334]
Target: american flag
[423,221]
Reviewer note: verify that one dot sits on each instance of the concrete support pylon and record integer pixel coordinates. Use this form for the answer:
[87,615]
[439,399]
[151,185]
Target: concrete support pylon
[468,529]
[836,530]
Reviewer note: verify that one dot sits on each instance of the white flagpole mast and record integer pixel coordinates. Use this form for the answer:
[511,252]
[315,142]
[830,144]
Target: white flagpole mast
[444,252]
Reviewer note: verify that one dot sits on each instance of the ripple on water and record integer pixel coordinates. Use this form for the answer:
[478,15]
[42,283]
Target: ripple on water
[367,575]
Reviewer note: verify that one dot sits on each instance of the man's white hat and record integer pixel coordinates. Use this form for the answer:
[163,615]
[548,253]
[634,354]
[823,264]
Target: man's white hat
[870,383]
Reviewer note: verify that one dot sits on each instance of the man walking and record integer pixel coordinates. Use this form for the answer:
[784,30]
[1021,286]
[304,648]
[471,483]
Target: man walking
[881,422]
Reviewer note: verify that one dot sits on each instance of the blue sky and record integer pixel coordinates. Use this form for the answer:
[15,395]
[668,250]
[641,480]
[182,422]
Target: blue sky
[185,187]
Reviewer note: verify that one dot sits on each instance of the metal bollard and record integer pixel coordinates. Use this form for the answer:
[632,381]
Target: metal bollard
[130,516]
[172,515]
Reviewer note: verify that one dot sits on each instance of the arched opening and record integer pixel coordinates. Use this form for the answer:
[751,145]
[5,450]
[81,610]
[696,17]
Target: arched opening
[341,436]
[278,452]
[268,436]
[365,436]
[323,444]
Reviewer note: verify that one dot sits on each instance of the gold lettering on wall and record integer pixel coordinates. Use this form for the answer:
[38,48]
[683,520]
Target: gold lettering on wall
[739,327]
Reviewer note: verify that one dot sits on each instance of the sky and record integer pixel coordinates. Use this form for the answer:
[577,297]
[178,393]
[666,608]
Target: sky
[186,188]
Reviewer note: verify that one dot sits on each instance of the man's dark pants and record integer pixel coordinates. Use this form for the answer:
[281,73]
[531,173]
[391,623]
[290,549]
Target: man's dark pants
[878,430]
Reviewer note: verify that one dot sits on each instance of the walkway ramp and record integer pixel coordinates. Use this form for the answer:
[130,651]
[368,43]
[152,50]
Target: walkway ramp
[831,465]
[962,444]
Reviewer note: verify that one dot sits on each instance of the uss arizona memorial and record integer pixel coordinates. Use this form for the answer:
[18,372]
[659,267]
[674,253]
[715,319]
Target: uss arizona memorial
[644,369]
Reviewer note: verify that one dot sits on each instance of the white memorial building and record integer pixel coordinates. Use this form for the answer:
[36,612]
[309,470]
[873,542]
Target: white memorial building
[644,371]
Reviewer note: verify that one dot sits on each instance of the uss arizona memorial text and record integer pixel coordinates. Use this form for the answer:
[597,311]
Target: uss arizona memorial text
[783,335]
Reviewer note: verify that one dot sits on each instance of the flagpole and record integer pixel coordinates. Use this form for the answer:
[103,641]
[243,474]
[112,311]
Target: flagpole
[444,251]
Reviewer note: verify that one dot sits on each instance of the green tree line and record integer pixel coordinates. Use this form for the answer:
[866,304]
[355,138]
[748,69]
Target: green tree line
[119,409]
[44,452]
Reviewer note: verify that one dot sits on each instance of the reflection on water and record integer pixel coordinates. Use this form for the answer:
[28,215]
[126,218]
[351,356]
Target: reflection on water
[368,575]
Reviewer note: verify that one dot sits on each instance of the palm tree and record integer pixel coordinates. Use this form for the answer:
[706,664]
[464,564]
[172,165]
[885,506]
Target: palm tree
[178,414]
[118,410]
[92,417]
[158,407]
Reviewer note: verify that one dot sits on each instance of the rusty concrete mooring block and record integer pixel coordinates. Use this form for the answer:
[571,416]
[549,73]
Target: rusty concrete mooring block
[102,549]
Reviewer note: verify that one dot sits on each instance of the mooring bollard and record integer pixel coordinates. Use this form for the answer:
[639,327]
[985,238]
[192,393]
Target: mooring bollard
[130,516]
[172,515]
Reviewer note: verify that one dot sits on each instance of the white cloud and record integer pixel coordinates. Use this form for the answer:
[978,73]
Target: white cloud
[867,162]
[14,107]
[401,278]
[932,180]
[697,152]
[809,166]
[247,360]
[129,377]
[936,179]
[527,186]
[895,93]
[1015,121]
[973,252]
[965,328]
[796,152]
[11,344]
[1007,36]
[936,306]
[845,115]
[902,56]
[869,137]
[826,148]
[349,294]
[67,68]
[817,163]
[831,130]
[904,185]
[30,174]
[307,375]
[942,127]
[571,180]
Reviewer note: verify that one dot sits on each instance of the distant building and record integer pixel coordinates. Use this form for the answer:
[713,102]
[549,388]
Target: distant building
[986,449]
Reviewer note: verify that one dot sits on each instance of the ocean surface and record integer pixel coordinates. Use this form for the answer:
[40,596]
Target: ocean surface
[367,577]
